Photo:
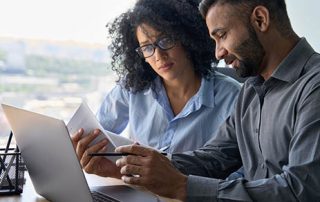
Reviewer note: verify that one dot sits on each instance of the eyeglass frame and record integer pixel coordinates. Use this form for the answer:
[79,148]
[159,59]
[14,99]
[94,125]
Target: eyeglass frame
[155,45]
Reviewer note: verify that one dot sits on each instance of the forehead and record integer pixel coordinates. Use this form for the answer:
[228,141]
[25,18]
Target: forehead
[222,16]
[145,32]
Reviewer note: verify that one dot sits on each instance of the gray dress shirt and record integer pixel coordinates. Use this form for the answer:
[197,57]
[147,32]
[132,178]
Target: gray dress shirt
[274,133]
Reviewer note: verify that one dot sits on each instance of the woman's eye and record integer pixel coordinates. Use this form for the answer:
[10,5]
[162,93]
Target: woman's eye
[147,48]
[165,43]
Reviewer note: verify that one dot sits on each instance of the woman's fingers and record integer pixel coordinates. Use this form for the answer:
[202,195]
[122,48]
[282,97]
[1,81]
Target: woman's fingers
[75,138]
[93,149]
[85,141]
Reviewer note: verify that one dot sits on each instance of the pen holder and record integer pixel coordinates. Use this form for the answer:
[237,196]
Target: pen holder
[11,172]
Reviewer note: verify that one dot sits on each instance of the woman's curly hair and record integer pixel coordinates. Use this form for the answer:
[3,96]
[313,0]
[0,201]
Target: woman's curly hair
[180,19]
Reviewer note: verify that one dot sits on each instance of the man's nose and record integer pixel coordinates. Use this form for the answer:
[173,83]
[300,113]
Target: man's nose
[220,52]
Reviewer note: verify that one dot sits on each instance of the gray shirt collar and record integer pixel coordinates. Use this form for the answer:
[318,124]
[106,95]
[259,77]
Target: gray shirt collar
[291,67]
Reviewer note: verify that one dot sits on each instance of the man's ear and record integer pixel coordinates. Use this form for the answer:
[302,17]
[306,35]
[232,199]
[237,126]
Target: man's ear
[260,18]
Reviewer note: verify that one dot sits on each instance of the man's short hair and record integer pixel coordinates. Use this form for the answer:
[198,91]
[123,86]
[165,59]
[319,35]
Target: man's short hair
[277,10]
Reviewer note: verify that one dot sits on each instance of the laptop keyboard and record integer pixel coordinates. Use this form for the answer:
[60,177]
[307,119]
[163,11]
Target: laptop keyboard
[98,197]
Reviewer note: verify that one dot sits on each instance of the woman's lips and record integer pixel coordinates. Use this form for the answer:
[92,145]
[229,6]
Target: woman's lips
[166,66]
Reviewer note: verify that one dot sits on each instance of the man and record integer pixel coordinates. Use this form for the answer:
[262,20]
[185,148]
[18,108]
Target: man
[274,132]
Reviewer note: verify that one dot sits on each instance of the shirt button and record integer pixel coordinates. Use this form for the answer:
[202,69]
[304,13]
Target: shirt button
[262,165]
[257,130]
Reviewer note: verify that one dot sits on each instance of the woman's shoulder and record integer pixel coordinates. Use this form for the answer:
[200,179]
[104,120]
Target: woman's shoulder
[224,88]
[220,80]
[119,91]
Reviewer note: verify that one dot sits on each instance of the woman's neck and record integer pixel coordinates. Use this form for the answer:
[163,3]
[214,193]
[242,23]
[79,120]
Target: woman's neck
[179,92]
[183,87]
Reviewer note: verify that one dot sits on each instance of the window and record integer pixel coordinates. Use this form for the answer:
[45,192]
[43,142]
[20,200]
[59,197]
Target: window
[304,17]
[53,54]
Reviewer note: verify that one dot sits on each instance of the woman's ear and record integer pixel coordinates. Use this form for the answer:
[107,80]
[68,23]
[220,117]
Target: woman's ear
[260,18]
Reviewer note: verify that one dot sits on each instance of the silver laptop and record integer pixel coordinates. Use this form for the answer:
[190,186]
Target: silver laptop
[52,163]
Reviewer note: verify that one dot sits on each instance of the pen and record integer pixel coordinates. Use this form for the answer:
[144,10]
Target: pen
[114,154]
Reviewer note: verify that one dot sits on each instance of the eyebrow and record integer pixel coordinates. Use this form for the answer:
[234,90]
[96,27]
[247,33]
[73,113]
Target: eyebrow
[144,43]
[161,35]
[214,32]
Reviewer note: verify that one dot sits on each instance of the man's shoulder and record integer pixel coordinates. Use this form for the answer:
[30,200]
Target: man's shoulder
[313,64]
[311,73]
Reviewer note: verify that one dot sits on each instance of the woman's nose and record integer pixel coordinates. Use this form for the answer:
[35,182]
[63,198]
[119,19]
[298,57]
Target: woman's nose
[160,54]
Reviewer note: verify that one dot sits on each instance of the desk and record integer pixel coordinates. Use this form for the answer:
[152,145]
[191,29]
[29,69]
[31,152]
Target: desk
[30,195]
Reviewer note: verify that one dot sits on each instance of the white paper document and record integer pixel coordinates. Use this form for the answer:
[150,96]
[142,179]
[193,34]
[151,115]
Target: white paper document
[84,118]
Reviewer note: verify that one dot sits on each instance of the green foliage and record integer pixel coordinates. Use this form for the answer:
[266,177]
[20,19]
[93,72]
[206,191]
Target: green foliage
[81,74]
[18,88]
[40,66]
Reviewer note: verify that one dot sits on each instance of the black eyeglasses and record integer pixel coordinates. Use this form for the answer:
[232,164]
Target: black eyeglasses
[164,43]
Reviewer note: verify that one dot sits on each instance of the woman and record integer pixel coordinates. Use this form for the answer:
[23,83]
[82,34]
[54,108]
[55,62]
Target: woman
[168,91]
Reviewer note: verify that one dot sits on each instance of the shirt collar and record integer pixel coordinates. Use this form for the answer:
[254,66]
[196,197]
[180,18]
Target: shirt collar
[290,68]
[157,88]
[204,96]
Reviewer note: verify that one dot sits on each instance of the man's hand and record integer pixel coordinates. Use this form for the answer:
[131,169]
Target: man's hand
[148,168]
[93,165]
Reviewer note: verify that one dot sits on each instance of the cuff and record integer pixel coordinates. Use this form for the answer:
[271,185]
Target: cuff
[169,156]
[202,189]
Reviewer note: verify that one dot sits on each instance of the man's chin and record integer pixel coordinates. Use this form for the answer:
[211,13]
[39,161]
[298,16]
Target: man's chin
[244,72]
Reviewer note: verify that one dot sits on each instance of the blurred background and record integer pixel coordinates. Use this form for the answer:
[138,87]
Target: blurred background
[54,53]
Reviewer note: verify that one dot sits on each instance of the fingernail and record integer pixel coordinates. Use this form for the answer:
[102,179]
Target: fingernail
[104,148]
[96,132]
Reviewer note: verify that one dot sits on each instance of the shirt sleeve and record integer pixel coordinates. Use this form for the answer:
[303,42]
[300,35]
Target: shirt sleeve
[298,181]
[113,113]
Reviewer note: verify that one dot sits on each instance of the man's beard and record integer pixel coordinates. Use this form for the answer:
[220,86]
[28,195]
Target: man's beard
[252,54]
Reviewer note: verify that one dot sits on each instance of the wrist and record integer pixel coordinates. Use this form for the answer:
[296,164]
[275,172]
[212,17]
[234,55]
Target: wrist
[113,172]
[117,174]
[181,191]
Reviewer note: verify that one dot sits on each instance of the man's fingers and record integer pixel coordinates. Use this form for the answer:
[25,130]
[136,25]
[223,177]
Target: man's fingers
[135,180]
[134,149]
[130,159]
[132,170]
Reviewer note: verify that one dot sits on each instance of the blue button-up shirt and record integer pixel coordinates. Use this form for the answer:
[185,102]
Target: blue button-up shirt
[151,119]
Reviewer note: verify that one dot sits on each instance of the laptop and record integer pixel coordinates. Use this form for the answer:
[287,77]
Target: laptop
[52,163]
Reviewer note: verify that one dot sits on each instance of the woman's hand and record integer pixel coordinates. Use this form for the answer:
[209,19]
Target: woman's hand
[94,165]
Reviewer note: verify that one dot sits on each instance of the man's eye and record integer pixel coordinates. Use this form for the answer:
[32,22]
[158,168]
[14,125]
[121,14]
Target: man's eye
[222,35]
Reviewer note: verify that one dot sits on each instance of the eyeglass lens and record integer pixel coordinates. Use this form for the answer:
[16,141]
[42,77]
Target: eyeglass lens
[148,50]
